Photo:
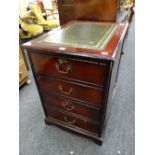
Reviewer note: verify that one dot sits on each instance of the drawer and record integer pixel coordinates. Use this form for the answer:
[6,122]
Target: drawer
[74,121]
[72,69]
[71,106]
[71,90]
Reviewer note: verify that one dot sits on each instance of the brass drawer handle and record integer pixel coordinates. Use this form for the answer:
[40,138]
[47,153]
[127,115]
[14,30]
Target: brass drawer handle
[69,92]
[58,66]
[68,106]
[68,121]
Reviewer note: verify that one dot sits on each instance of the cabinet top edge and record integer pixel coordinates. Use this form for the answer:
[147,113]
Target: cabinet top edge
[109,52]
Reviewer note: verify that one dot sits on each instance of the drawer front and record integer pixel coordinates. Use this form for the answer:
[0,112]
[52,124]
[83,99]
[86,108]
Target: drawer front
[71,69]
[72,120]
[70,106]
[71,90]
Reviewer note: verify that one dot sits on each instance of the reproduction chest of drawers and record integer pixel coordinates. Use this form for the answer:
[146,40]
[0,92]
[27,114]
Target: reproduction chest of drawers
[75,68]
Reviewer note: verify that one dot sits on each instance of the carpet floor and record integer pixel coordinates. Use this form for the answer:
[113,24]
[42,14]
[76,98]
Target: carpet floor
[36,138]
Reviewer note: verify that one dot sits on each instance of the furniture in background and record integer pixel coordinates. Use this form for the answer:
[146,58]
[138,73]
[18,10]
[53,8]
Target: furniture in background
[46,9]
[33,18]
[28,30]
[75,70]
[103,10]
[125,10]
[126,3]
[47,24]
[23,8]
[23,72]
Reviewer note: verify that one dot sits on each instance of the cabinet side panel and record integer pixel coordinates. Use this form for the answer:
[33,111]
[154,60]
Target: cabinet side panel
[113,80]
[34,75]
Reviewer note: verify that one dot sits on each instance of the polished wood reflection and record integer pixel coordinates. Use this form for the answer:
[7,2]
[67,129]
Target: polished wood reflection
[102,10]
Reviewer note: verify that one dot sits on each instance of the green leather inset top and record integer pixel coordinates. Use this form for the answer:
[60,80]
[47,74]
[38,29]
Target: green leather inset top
[84,35]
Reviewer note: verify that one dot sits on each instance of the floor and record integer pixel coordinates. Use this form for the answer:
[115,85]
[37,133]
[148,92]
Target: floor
[38,139]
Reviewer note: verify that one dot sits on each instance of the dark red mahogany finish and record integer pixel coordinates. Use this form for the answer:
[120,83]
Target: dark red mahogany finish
[76,92]
[84,74]
[71,106]
[102,10]
[71,90]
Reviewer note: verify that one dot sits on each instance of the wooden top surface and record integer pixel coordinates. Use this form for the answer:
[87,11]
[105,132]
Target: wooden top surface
[82,38]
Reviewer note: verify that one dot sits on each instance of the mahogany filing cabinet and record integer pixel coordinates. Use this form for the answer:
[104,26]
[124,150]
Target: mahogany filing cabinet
[75,68]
